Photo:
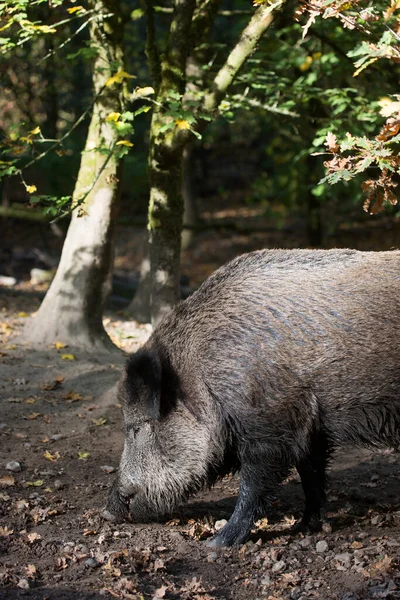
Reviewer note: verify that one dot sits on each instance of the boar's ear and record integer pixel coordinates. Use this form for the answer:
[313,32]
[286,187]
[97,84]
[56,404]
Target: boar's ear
[143,381]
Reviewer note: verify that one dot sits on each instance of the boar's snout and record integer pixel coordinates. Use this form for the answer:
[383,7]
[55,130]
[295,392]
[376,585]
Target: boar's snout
[117,508]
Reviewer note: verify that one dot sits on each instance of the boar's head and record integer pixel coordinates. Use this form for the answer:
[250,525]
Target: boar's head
[169,449]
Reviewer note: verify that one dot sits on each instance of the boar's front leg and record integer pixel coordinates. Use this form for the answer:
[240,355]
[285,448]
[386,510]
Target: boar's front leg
[312,471]
[257,485]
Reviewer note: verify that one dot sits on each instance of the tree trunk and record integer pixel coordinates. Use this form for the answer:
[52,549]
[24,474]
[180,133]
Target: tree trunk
[165,219]
[72,309]
[139,308]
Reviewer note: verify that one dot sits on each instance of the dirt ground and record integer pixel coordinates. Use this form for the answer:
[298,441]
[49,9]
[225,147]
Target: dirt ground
[61,422]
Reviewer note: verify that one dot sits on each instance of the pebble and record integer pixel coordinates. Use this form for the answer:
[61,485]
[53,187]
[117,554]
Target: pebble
[376,520]
[56,436]
[305,543]
[322,546]
[212,557]
[266,580]
[220,524]
[58,484]
[91,563]
[13,466]
[278,566]
[108,469]
[344,558]
[23,584]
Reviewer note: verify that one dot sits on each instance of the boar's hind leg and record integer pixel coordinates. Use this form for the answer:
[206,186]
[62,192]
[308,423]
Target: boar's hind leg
[257,486]
[312,470]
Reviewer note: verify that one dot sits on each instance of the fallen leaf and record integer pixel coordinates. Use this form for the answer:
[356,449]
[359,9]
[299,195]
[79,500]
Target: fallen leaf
[30,400]
[72,396]
[7,481]
[23,314]
[32,416]
[158,564]
[52,385]
[59,345]
[33,537]
[5,531]
[100,421]
[31,571]
[36,483]
[50,456]
[45,440]
[89,532]
[83,455]
[160,592]
[67,356]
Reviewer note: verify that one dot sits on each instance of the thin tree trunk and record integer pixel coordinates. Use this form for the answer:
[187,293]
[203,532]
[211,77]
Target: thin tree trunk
[165,221]
[190,18]
[72,309]
[139,308]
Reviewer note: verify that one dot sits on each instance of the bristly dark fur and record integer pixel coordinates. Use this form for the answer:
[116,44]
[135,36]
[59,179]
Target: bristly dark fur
[278,358]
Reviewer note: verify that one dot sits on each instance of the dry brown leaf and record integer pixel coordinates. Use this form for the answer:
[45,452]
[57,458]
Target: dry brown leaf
[32,416]
[72,396]
[331,142]
[31,571]
[160,592]
[7,481]
[5,531]
[33,537]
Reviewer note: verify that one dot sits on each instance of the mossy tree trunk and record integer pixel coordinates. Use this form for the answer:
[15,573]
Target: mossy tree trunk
[169,135]
[73,307]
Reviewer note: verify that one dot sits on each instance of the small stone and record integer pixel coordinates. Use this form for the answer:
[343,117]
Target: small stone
[278,566]
[56,436]
[321,546]
[374,477]
[212,557]
[91,563]
[23,584]
[58,484]
[266,580]
[376,520]
[305,543]
[220,524]
[13,466]
[108,469]
[344,559]
[7,282]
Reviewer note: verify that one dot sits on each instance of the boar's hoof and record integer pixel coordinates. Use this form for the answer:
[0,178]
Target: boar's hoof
[228,538]
[307,526]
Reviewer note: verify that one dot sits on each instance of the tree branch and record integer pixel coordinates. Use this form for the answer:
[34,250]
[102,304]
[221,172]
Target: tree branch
[258,24]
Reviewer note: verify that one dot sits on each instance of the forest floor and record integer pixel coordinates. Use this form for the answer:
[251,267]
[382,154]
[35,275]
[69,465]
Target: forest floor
[61,422]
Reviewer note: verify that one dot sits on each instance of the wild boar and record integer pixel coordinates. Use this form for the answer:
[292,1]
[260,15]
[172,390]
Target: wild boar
[277,359]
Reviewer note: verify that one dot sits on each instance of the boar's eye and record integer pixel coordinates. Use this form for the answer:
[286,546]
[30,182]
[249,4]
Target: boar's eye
[132,428]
